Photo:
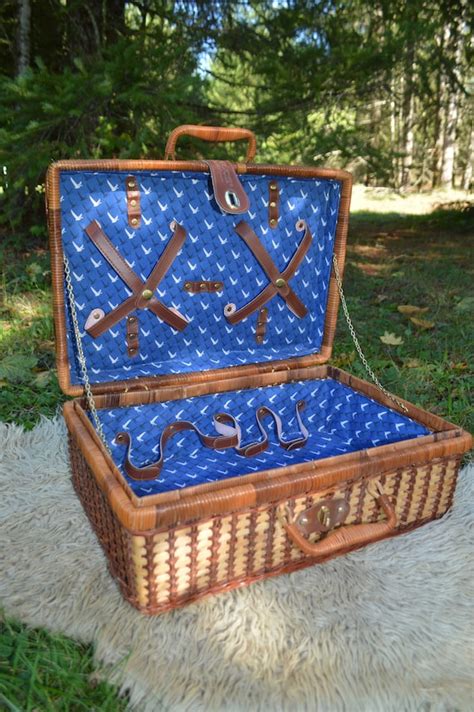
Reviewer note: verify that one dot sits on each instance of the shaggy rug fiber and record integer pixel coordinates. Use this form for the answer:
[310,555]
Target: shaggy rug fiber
[386,628]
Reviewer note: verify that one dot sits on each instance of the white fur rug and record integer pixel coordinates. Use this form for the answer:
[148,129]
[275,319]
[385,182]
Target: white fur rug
[386,628]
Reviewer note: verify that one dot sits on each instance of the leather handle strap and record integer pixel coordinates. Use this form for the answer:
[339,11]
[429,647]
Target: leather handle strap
[213,134]
[345,537]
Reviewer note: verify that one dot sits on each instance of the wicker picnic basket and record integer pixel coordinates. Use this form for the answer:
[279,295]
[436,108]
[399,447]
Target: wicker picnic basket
[195,307]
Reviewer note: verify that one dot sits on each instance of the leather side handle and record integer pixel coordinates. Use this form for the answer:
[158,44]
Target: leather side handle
[345,537]
[214,134]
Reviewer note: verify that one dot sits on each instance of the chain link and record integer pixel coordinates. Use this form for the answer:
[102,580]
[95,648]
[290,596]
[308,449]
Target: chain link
[355,339]
[81,357]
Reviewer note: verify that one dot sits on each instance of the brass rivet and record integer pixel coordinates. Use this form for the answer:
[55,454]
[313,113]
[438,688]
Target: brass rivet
[133,203]
[280,282]
[96,315]
[132,319]
[187,285]
[203,285]
[132,335]
[273,186]
[273,221]
[216,285]
[147,294]
[132,350]
[134,221]
[132,184]
[273,204]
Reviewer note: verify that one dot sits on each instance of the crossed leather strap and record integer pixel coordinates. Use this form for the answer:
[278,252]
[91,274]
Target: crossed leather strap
[143,292]
[278,280]
[229,437]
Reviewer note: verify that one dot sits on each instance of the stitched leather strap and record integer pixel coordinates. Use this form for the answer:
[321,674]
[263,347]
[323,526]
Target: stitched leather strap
[149,472]
[228,190]
[261,445]
[108,250]
[214,134]
[278,280]
[230,436]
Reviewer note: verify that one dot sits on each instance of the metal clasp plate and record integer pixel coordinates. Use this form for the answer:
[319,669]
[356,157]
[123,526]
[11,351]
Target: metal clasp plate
[323,516]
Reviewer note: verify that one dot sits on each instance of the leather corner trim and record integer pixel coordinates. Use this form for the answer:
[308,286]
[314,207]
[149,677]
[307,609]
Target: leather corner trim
[133,201]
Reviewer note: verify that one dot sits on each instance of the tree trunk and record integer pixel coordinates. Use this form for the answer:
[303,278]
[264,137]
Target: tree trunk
[24,36]
[467,177]
[439,115]
[408,118]
[452,112]
[114,20]
[449,144]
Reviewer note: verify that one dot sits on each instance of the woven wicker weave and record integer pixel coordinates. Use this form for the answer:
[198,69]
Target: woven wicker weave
[168,567]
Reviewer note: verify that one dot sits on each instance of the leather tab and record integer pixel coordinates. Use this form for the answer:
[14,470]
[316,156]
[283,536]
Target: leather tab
[203,286]
[132,335]
[228,190]
[261,325]
[273,203]
[133,202]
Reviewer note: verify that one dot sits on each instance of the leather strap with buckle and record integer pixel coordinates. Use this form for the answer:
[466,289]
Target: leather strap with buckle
[278,280]
[143,296]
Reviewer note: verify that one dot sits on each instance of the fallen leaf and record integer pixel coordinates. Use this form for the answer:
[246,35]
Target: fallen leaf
[344,359]
[458,365]
[409,309]
[422,323]
[466,304]
[391,339]
[413,363]
[42,379]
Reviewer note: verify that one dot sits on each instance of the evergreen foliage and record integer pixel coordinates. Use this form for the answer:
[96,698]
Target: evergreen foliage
[381,87]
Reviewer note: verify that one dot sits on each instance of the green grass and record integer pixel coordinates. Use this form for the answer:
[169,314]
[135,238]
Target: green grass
[424,261]
[41,672]
[393,260]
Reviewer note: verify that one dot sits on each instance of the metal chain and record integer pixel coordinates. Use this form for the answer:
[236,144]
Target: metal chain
[355,339]
[81,357]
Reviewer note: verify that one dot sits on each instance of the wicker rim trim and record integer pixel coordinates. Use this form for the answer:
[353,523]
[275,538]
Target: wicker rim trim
[233,494]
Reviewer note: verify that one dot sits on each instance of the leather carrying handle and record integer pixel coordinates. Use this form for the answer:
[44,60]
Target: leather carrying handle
[214,134]
[345,537]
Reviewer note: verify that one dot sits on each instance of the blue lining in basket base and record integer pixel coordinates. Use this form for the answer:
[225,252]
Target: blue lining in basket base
[339,419]
[212,251]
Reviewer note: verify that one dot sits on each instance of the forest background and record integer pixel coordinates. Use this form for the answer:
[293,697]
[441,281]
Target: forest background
[380,87]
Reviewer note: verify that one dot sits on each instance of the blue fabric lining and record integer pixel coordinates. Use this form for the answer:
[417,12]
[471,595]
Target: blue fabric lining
[339,419]
[212,251]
